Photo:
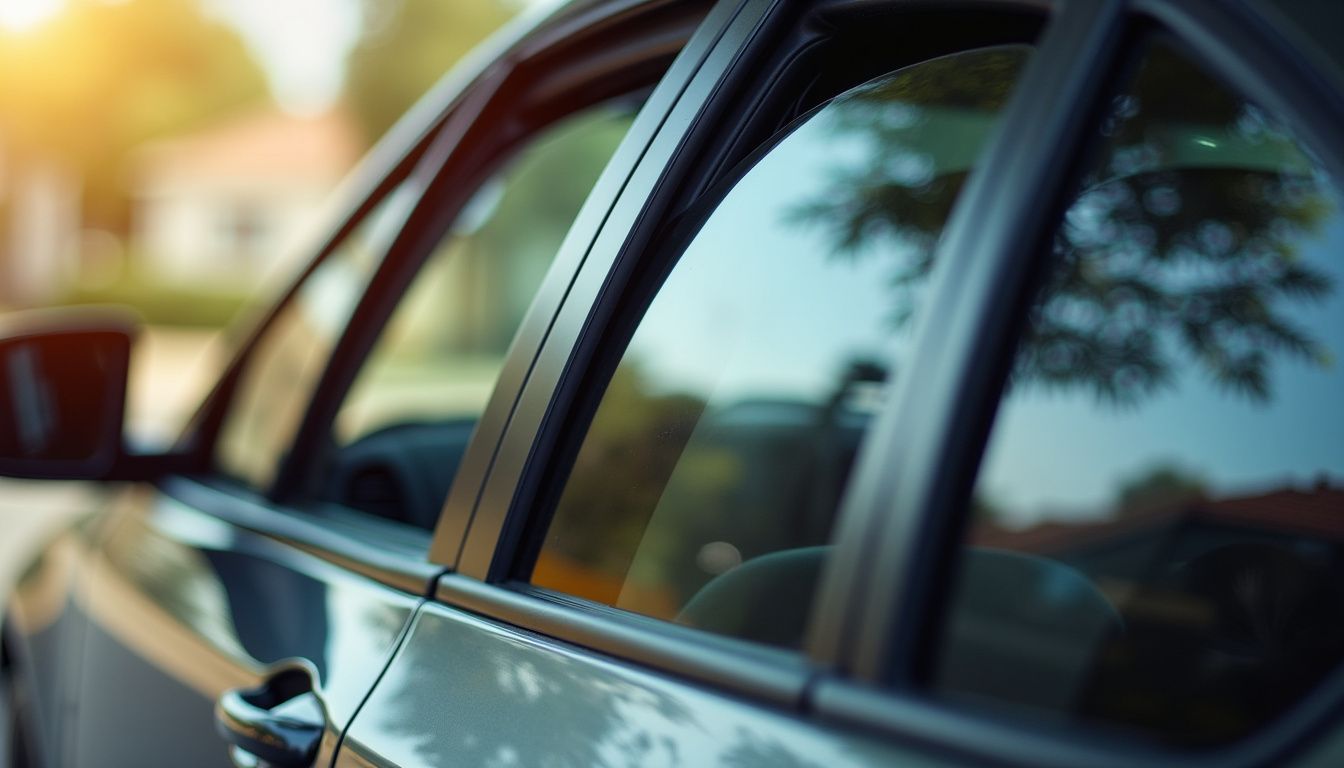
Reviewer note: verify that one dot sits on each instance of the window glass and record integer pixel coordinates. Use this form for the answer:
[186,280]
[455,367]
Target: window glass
[405,424]
[1157,535]
[282,370]
[709,478]
[1319,22]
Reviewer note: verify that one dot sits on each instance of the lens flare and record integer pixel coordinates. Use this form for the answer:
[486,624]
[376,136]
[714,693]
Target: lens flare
[26,15]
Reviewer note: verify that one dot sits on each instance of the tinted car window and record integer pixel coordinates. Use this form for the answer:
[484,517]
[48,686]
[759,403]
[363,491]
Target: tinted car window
[404,426]
[1157,536]
[708,480]
[1319,21]
[282,369]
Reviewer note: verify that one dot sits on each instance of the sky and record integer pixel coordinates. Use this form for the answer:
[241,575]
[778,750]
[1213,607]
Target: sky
[759,306]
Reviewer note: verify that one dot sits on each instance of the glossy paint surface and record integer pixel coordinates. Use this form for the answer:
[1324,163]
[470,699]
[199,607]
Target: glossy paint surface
[44,627]
[466,691]
[182,607]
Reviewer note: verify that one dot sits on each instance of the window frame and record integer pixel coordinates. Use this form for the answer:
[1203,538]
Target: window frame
[550,77]
[936,468]
[530,65]
[845,679]
[760,58]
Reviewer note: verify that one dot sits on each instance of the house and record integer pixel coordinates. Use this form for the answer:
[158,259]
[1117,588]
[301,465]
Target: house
[223,207]
[1133,547]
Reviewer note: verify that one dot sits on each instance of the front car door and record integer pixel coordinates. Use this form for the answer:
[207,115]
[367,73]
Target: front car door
[283,555]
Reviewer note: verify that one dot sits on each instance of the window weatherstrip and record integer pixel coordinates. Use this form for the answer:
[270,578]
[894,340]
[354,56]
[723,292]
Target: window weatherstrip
[390,565]
[458,517]
[494,515]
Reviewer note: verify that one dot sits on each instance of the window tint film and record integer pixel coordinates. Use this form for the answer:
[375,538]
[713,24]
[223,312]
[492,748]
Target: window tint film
[404,426]
[282,370]
[707,484]
[1157,531]
[1320,22]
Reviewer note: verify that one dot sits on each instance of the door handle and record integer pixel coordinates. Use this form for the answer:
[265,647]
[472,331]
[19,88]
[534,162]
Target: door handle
[279,723]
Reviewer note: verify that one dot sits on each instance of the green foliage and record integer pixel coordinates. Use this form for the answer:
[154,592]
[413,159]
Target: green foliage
[103,77]
[1182,245]
[160,304]
[619,470]
[1159,487]
[408,46]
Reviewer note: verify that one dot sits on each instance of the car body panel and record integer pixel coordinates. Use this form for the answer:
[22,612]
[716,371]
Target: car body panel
[183,607]
[130,624]
[469,691]
[45,625]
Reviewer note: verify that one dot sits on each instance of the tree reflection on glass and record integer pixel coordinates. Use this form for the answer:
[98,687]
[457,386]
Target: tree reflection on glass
[1171,442]
[1183,243]
[729,428]
[920,131]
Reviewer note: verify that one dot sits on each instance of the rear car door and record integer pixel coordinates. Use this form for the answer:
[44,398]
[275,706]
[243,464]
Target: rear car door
[267,579]
[651,560]
[1109,532]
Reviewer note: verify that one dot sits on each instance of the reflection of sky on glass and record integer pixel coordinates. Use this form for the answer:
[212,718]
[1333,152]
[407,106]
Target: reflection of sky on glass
[1058,453]
[760,305]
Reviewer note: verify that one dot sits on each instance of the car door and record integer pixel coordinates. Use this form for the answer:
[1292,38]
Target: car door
[650,563]
[256,590]
[1094,545]
[195,586]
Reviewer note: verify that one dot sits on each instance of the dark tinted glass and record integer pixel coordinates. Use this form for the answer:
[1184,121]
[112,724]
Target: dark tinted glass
[1321,22]
[710,474]
[1157,536]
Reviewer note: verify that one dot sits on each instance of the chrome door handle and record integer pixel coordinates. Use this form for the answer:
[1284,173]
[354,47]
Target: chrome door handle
[279,723]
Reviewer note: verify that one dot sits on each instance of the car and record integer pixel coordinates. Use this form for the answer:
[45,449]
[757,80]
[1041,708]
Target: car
[829,382]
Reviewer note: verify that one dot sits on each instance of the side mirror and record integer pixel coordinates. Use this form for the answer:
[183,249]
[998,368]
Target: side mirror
[63,376]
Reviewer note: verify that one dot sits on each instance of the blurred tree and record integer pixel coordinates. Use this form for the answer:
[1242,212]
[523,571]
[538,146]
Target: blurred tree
[103,77]
[407,46]
[1158,487]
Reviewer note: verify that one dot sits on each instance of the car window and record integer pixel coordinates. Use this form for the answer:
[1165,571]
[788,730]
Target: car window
[282,369]
[1322,23]
[405,424]
[1157,530]
[708,479]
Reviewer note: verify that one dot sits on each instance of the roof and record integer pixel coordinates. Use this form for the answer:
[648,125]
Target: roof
[264,144]
[1317,512]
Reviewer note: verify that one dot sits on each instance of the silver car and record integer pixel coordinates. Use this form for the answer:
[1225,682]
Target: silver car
[748,383]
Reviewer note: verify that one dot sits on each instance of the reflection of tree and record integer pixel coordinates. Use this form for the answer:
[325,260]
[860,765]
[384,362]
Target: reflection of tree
[632,446]
[502,689]
[464,692]
[918,130]
[1162,486]
[1185,238]
[661,476]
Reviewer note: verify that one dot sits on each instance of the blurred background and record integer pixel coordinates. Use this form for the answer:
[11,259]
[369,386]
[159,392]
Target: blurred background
[176,156]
